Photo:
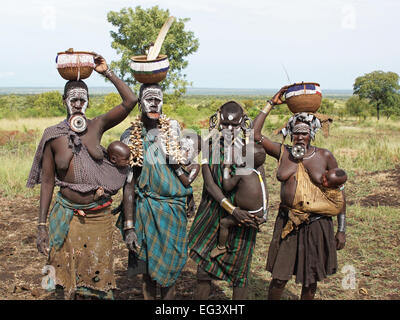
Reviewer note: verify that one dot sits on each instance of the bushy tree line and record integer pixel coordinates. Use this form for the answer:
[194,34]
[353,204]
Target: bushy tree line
[50,104]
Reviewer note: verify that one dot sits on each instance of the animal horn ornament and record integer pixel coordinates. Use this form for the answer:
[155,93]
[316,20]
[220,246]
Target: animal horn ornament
[78,123]
[298,151]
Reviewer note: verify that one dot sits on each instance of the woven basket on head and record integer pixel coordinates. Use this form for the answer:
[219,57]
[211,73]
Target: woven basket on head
[149,71]
[303,97]
[75,65]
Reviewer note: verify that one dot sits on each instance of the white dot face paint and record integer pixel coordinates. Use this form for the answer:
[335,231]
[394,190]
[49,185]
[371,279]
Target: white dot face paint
[77,101]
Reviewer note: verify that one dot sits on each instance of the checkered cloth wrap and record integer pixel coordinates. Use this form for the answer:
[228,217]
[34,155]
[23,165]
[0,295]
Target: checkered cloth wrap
[161,216]
[234,265]
[60,218]
[89,174]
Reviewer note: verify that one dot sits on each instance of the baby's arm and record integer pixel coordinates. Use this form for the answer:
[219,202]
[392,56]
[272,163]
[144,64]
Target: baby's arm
[228,181]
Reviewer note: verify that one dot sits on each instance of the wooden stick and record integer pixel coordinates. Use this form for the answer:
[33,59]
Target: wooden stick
[155,50]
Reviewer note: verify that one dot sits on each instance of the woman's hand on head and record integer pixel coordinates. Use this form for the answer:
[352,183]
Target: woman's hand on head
[277,98]
[101,64]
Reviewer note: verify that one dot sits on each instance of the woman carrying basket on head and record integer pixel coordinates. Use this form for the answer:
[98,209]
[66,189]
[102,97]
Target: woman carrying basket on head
[303,243]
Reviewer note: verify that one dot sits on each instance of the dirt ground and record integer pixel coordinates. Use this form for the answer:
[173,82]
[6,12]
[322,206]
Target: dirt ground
[21,264]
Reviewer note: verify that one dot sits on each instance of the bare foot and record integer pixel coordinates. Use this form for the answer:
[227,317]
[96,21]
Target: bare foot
[217,251]
[99,193]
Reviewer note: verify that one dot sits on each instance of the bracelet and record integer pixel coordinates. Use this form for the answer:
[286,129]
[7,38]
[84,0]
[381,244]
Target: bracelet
[226,173]
[179,171]
[42,224]
[128,225]
[269,106]
[107,73]
[225,204]
[341,222]
[261,139]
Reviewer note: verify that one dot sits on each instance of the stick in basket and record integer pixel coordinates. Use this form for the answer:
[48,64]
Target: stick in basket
[155,50]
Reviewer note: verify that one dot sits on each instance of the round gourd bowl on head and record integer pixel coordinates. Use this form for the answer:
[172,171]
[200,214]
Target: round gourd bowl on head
[75,65]
[149,71]
[303,97]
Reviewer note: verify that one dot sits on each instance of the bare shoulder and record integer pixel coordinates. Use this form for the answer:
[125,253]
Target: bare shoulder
[328,156]
[323,152]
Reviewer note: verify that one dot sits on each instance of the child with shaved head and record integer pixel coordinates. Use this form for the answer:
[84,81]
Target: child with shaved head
[118,154]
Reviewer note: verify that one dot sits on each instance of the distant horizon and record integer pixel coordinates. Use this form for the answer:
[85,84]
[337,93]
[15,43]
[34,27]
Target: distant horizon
[188,87]
[190,90]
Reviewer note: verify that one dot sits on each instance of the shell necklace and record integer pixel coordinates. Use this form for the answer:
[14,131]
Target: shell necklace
[169,140]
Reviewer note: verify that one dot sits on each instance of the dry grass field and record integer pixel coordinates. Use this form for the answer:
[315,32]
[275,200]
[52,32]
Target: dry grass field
[369,151]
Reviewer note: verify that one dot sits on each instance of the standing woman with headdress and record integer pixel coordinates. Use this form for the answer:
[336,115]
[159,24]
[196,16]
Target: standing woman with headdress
[303,243]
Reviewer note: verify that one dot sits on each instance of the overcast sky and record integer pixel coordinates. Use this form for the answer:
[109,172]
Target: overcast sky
[243,44]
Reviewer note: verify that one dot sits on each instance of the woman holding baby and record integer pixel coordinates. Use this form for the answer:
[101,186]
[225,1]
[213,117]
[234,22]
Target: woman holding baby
[303,242]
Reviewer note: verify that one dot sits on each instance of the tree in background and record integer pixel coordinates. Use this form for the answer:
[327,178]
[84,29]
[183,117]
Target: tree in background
[381,89]
[104,105]
[48,104]
[327,106]
[137,29]
[356,106]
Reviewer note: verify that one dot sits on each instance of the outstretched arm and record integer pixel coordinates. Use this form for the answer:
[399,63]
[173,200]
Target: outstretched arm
[272,148]
[129,99]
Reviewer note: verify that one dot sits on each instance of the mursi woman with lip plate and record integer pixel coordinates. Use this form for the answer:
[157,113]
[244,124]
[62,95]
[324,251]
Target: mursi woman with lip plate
[78,240]
[303,242]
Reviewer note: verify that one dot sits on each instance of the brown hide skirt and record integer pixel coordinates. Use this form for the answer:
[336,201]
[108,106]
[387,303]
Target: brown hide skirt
[309,253]
[85,260]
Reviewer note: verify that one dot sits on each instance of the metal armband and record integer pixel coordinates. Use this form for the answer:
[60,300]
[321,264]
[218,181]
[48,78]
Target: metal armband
[226,173]
[179,171]
[229,207]
[268,107]
[129,225]
[341,222]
